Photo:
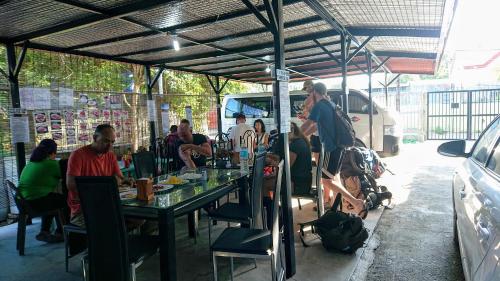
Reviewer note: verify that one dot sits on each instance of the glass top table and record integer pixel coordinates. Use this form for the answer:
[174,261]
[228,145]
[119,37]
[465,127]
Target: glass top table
[179,200]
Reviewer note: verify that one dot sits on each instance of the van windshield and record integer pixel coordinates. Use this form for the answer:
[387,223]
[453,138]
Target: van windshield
[255,107]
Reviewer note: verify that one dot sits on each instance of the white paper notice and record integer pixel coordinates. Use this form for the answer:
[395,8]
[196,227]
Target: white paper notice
[189,115]
[65,97]
[165,122]
[284,107]
[41,97]
[151,110]
[19,126]
[26,98]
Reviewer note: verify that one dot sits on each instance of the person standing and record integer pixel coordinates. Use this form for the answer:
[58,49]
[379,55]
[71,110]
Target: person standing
[37,185]
[321,119]
[239,135]
[261,137]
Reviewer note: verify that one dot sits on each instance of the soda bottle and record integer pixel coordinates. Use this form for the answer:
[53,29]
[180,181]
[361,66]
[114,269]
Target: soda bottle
[244,159]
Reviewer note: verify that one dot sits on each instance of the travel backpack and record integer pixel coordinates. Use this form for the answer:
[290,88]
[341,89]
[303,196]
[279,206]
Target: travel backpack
[340,231]
[345,135]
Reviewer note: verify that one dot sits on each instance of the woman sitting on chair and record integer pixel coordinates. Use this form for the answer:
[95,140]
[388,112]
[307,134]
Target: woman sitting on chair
[300,161]
[38,183]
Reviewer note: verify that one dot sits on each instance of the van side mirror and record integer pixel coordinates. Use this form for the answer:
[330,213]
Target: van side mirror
[453,149]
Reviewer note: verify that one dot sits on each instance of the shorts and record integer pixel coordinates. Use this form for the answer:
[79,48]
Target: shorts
[331,163]
[315,144]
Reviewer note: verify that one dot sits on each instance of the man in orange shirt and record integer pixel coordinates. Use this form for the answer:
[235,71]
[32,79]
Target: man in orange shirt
[92,160]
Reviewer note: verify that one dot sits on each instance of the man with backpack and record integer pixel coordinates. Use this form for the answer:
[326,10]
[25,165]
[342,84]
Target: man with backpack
[335,135]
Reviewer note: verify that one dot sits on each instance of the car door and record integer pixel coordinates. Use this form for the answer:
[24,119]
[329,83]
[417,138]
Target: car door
[490,219]
[359,114]
[471,184]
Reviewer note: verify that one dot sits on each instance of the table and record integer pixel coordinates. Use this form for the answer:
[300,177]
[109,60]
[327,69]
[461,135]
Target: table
[178,201]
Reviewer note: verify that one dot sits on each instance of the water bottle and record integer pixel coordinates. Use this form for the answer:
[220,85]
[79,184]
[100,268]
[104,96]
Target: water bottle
[244,160]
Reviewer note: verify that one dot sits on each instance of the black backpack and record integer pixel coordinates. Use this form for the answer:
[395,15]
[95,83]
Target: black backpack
[345,134]
[340,231]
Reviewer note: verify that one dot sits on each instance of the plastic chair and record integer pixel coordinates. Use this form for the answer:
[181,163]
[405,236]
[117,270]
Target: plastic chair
[25,212]
[144,164]
[244,213]
[112,253]
[254,243]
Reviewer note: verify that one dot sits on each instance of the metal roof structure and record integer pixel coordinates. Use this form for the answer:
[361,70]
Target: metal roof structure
[227,38]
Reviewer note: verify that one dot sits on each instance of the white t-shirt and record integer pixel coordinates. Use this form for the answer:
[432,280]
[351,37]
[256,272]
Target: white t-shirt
[239,131]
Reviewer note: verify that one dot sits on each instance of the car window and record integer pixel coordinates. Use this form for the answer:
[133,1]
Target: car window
[483,145]
[494,163]
[258,107]
[359,104]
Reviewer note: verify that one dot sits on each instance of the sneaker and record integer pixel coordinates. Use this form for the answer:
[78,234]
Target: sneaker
[49,238]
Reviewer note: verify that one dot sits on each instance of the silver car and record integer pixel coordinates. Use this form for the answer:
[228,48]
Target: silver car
[476,202]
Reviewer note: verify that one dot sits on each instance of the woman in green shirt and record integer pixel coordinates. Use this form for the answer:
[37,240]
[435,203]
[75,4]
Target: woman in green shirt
[37,185]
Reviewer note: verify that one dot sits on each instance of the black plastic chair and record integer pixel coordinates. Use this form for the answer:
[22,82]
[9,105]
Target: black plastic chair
[68,248]
[144,164]
[251,213]
[254,243]
[313,195]
[25,212]
[112,254]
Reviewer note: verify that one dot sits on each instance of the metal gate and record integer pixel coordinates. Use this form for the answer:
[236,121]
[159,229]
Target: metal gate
[460,114]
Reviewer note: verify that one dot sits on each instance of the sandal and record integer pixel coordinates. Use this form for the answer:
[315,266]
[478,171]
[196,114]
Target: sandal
[364,213]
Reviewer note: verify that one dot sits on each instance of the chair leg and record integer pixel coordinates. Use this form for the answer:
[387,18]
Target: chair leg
[21,233]
[66,245]
[232,267]
[132,272]
[214,258]
[209,232]
[84,269]
[300,206]
[273,268]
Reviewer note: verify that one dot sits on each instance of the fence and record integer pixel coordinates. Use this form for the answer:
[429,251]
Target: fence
[461,114]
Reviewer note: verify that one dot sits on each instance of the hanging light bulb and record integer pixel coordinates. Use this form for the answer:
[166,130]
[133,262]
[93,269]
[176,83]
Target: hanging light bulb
[175,42]
[268,69]
[267,57]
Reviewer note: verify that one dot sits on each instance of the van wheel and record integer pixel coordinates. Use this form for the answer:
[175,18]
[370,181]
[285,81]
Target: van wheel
[358,143]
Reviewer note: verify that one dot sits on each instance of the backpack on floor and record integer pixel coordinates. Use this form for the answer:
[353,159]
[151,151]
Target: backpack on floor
[340,231]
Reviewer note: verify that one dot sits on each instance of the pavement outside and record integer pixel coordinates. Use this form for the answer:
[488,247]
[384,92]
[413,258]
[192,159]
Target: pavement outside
[412,242]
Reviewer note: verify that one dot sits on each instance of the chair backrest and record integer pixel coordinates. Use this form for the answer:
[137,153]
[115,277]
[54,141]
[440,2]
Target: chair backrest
[15,195]
[106,233]
[248,138]
[275,230]
[144,164]
[256,191]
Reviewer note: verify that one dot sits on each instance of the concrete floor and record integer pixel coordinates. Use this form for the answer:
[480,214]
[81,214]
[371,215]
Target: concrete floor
[46,261]
[414,241]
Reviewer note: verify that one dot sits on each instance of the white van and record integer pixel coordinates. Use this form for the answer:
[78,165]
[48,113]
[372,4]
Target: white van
[386,134]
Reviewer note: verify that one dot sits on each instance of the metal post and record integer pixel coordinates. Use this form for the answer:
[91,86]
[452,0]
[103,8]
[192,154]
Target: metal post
[370,97]
[218,90]
[149,89]
[286,199]
[16,101]
[385,89]
[469,115]
[343,59]
[398,96]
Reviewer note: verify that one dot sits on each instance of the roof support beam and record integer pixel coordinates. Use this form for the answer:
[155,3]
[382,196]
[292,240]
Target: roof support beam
[326,51]
[114,13]
[360,47]
[381,64]
[406,54]
[20,59]
[174,28]
[157,76]
[259,16]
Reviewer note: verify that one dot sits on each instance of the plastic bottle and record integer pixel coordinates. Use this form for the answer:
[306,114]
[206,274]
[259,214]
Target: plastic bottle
[244,159]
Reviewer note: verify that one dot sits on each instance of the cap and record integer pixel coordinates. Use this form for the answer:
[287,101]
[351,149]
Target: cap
[308,83]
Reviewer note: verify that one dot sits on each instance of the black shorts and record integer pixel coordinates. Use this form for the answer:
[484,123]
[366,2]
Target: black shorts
[331,163]
[315,144]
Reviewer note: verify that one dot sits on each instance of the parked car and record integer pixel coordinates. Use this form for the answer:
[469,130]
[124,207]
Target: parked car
[476,204]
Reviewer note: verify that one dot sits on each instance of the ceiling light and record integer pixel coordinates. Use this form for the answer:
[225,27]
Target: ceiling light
[175,43]
[267,57]
[268,69]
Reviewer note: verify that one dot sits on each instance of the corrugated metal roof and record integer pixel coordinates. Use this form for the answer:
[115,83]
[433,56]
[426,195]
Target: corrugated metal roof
[223,37]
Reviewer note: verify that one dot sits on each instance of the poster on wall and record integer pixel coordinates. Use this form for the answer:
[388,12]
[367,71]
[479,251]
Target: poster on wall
[116,114]
[55,125]
[83,137]
[69,117]
[41,98]
[165,120]
[106,114]
[151,110]
[57,136]
[26,98]
[55,116]
[115,101]
[66,97]
[106,102]
[19,126]
[40,117]
[82,114]
[124,114]
[83,99]
[95,113]
[70,132]
[42,128]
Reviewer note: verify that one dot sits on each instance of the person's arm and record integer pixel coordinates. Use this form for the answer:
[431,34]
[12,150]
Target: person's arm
[203,149]
[185,156]
[120,179]
[74,170]
[308,127]
[293,157]
[266,140]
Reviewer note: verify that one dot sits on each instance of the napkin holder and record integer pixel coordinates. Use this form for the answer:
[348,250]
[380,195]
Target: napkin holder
[145,189]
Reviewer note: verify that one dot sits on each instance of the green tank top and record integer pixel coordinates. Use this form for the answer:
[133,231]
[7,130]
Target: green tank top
[39,179]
